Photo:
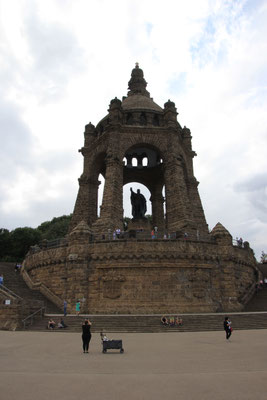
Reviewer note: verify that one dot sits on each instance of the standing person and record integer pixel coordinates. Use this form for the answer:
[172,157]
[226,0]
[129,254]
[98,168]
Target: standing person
[1,280]
[78,307]
[65,308]
[227,327]
[86,335]
[118,233]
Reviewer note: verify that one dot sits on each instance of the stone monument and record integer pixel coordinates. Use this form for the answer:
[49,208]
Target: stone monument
[181,267]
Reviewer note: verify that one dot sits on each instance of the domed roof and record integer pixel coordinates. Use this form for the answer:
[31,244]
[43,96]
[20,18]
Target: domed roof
[138,97]
[138,101]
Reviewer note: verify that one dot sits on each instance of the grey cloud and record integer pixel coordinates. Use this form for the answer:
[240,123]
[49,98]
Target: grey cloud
[48,208]
[255,189]
[16,156]
[59,161]
[16,140]
[40,211]
[255,183]
[56,55]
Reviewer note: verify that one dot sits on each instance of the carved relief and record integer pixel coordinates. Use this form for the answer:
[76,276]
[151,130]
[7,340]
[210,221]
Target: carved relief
[112,284]
[200,282]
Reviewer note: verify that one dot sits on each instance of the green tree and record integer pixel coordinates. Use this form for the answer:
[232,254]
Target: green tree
[263,257]
[56,228]
[20,241]
[14,245]
[4,243]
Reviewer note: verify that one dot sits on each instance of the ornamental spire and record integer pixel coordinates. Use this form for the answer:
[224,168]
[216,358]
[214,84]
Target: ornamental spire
[137,83]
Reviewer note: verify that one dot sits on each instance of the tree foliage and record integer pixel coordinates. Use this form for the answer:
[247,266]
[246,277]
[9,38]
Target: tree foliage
[56,228]
[263,257]
[15,244]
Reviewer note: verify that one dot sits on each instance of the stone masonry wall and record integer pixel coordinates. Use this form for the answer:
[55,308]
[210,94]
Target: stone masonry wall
[146,276]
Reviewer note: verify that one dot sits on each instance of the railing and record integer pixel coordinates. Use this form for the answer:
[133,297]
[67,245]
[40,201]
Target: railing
[31,317]
[240,243]
[9,292]
[137,234]
[147,235]
[49,244]
[247,296]
[42,288]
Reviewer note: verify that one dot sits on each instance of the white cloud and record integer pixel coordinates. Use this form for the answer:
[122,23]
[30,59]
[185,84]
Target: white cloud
[63,61]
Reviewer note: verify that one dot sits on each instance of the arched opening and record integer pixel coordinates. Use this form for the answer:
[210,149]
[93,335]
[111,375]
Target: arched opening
[149,174]
[145,162]
[164,201]
[134,162]
[98,180]
[101,186]
[129,119]
[156,120]
[148,156]
[143,120]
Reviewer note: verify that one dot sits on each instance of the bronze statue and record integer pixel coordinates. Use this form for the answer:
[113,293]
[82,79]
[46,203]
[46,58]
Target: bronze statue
[138,204]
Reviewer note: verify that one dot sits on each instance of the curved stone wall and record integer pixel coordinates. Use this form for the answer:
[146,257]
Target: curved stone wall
[161,276]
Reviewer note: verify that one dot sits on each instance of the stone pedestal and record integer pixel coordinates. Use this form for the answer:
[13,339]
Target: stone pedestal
[140,225]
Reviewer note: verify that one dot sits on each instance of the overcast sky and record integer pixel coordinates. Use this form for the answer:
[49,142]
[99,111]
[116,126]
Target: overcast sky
[62,61]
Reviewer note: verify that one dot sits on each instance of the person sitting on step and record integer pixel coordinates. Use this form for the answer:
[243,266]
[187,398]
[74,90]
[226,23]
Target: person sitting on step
[164,320]
[51,324]
[178,321]
[61,324]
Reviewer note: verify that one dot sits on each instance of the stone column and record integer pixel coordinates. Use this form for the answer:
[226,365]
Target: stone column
[178,213]
[111,215]
[197,209]
[157,201]
[86,203]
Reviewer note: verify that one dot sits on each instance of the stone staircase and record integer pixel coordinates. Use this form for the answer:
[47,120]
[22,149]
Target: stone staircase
[14,282]
[152,324]
[259,301]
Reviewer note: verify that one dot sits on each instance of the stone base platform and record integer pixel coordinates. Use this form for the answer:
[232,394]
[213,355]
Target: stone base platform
[145,276]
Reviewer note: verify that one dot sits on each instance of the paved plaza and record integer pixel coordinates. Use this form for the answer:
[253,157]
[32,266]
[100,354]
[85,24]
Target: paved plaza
[189,366]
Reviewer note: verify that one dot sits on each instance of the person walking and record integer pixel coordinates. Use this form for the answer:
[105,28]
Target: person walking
[78,307]
[86,335]
[65,308]
[227,327]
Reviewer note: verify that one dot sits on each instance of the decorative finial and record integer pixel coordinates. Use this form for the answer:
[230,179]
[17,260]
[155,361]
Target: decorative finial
[137,83]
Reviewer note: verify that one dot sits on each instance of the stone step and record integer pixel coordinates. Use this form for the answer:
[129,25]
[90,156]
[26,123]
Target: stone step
[141,323]
[14,282]
[259,301]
